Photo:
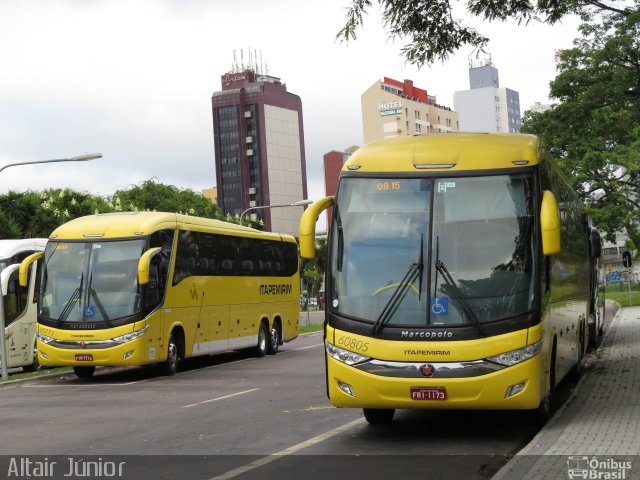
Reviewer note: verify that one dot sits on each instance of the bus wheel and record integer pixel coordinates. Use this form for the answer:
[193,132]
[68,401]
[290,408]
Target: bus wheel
[260,349]
[35,365]
[84,372]
[377,416]
[543,413]
[170,365]
[274,340]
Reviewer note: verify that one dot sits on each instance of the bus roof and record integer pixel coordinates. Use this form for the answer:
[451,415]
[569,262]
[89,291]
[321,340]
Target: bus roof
[446,152]
[9,248]
[137,224]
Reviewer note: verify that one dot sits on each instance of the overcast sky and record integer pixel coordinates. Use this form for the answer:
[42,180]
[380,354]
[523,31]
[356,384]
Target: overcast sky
[133,79]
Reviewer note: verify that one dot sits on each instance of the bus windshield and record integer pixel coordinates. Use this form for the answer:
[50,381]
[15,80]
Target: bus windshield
[476,233]
[90,282]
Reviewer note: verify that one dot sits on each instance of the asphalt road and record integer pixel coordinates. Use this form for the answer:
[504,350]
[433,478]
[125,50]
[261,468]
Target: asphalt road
[235,416]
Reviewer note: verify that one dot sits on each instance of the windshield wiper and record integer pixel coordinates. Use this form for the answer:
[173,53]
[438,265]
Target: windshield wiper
[69,306]
[440,267]
[94,296]
[415,270]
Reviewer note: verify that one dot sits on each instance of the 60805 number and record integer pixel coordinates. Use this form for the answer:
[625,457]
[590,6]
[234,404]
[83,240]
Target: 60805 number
[353,343]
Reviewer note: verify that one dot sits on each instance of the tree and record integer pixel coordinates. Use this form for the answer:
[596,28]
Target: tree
[37,214]
[154,196]
[151,195]
[313,271]
[434,33]
[594,130]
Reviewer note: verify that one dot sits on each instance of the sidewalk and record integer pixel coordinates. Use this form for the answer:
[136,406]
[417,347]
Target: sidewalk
[596,433]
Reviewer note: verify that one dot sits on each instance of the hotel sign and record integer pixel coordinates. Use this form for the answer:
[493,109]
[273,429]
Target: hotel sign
[390,108]
[228,78]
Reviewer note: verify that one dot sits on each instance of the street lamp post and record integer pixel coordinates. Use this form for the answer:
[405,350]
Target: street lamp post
[299,203]
[3,343]
[77,158]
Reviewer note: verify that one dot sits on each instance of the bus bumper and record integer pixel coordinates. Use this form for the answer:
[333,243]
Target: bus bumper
[353,388]
[135,352]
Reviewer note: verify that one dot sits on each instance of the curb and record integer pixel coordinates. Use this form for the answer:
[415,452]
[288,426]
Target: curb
[538,441]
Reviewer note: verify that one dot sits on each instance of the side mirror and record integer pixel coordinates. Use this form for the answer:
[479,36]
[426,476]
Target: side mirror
[308,226]
[550,223]
[596,243]
[5,275]
[23,277]
[144,265]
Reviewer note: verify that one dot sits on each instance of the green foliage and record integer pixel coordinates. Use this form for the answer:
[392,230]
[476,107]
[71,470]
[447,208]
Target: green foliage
[37,214]
[594,130]
[312,271]
[433,32]
[154,196]
[164,198]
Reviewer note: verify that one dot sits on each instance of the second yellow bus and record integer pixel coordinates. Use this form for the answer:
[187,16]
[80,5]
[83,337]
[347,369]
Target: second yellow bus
[144,288]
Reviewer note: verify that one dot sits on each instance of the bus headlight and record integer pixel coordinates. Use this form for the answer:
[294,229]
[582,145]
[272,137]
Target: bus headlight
[344,356]
[43,338]
[517,356]
[130,336]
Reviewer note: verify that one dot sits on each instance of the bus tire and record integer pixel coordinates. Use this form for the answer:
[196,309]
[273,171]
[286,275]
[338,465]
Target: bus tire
[544,412]
[274,339]
[378,416]
[84,372]
[35,364]
[170,365]
[260,350]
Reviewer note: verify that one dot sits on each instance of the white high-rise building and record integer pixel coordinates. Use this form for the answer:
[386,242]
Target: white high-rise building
[487,107]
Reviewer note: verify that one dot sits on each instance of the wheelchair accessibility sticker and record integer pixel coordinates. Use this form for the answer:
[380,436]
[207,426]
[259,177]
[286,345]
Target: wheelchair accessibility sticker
[440,306]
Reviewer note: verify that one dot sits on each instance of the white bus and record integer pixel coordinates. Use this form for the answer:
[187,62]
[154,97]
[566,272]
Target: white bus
[19,305]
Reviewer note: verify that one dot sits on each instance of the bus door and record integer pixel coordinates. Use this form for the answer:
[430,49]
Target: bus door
[18,327]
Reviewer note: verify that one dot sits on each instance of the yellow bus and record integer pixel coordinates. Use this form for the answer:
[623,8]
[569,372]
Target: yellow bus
[18,304]
[143,288]
[458,276]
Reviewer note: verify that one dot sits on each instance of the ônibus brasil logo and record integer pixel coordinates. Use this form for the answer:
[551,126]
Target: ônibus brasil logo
[595,468]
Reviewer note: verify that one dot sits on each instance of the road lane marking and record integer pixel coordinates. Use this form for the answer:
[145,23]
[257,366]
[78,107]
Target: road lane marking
[219,398]
[85,384]
[310,409]
[305,348]
[287,451]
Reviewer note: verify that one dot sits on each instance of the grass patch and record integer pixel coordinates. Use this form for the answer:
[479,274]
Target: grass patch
[40,373]
[314,327]
[623,298]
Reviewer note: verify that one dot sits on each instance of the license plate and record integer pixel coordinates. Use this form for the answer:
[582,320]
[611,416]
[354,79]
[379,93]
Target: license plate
[428,393]
[84,357]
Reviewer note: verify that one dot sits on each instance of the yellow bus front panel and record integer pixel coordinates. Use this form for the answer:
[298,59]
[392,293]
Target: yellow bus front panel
[436,375]
[57,348]
[353,388]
